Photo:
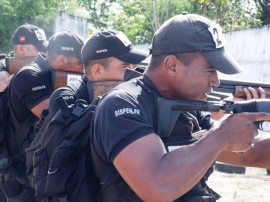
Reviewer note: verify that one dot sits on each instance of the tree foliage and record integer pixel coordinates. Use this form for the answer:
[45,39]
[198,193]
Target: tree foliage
[264,9]
[139,19]
[13,13]
[230,14]
[99,11]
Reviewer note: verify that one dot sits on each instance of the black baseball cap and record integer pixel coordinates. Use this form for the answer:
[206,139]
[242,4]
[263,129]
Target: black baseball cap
[194,33]
[109,43]
[30,34]
[66,43]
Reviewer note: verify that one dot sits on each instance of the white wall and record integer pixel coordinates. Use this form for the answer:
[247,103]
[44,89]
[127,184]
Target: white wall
[251,48]
[76,24]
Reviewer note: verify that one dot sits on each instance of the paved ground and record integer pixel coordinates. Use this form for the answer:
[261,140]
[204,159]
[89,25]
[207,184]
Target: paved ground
[253,186]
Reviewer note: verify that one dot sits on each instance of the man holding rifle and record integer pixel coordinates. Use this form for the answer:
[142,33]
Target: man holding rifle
[29,93]
[187,51]
[28,41]
[108,65]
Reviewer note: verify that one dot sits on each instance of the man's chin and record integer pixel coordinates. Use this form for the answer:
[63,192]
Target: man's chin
[201,98]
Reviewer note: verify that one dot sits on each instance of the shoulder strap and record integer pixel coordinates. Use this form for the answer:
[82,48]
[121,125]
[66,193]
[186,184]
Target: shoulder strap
[110,174]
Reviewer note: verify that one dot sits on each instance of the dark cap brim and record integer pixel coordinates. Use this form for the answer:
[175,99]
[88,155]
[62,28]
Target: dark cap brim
[42,46]
[134,56]
[222,61]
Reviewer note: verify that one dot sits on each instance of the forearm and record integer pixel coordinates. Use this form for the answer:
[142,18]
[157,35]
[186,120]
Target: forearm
[37,110]
[257,156]
[155,174]
[4,80]
[188,164]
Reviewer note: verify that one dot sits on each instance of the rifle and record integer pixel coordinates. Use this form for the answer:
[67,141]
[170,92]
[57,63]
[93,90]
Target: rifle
[14,64]
[61,78]
[100,88]
[169,110]
[235,87]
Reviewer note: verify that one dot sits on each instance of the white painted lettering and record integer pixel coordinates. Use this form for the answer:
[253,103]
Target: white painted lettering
[124,111]
[37,88]
[102,51]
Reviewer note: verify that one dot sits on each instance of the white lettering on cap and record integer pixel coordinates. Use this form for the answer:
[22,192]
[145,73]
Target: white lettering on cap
[102,51]
[217,35]
[67,48]
[123,38]
[40,34]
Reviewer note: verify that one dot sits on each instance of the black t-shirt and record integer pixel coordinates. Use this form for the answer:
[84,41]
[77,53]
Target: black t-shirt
[29,86]
[121,119]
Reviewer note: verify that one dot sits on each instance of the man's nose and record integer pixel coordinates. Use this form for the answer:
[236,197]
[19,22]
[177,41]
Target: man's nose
[215,82]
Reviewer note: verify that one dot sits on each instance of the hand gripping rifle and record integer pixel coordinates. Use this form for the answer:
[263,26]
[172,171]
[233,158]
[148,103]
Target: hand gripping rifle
[169,110]
[236,88]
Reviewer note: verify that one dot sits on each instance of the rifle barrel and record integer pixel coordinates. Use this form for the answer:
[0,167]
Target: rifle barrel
[235,87]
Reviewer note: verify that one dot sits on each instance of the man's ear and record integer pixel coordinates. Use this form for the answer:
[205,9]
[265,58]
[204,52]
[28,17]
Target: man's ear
[19,50]
[170,64]
[63,61]
[97,71]
[59,62]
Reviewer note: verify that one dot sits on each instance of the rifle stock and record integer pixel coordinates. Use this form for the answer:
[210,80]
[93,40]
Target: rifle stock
[235,87]
[100,88]
[61,78]
[14,64]
[65,78]
[168,110]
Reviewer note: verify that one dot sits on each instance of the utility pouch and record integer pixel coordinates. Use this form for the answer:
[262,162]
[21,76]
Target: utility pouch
[40,167]
[64,162]
[9,184]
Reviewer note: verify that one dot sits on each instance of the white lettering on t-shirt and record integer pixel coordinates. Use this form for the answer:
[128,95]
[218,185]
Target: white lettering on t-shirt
[68,97]
[38,88]
[126,111]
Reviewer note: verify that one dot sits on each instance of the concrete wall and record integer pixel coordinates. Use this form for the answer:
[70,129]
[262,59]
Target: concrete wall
[76,24]
[251,48]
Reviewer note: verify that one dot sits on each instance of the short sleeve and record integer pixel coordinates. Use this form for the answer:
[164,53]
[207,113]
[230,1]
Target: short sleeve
[30,88]
[119,121]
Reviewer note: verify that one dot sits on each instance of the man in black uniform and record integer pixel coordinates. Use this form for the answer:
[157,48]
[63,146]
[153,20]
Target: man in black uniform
[187,51]
[106,55]
[29,93]
[28,41]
